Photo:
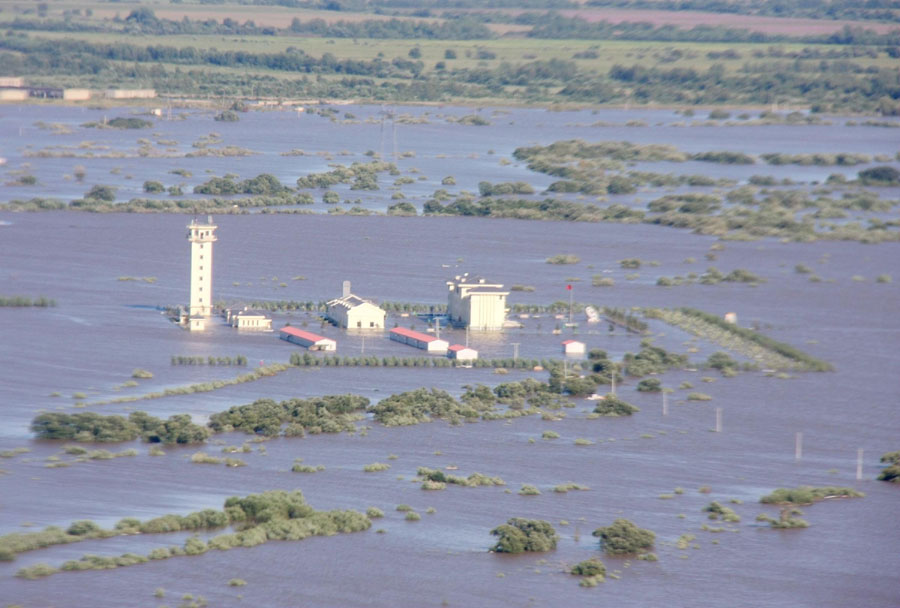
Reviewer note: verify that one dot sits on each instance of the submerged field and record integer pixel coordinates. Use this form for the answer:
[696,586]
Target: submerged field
[106,343]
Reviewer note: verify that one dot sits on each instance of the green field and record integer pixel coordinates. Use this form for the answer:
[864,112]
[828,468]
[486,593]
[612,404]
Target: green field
[226,53]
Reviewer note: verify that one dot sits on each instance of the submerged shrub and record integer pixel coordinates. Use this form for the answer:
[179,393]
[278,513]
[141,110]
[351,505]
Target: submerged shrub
[519,535]
[589,567]
[624,538]
[805,495]
[611,405]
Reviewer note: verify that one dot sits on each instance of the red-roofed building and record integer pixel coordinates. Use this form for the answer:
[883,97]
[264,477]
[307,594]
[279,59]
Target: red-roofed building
[462,353]
[573,347]
[419,340]
[306,338]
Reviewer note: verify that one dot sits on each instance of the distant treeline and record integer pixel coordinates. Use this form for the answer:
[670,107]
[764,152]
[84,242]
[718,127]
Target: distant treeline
[25,302]
[144,21]
[557,27]
[210,360]
[402,78]
[875,10]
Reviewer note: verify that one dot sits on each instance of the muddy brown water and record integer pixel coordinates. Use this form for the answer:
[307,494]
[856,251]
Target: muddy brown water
[103,328]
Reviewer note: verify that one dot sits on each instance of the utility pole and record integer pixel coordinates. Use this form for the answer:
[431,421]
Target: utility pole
[515,346]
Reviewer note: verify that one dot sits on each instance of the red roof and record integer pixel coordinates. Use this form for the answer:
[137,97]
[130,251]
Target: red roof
[306,335]
[408,333]
[572,342]
[458,347]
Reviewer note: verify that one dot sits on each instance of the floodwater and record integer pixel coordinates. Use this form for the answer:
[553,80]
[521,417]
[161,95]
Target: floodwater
[103,328]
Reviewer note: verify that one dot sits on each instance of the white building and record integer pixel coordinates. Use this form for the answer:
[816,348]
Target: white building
[462,353]
[419,340]
[202,237]
[476,304]
[353,312]
[573,347]
[307,338]
[248,319]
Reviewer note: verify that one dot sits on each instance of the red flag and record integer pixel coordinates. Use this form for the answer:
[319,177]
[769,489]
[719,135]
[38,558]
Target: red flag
[569,287]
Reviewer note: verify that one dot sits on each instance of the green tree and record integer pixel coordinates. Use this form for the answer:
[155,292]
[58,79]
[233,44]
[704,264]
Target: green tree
[518,535]
[101,193]
[624,538]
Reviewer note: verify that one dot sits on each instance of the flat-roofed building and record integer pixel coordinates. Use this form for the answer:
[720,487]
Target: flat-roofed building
[130,93]
[474,303]
[248,319]
[12,81]
[77,94]
[13,94]
[307,339]
[419,340]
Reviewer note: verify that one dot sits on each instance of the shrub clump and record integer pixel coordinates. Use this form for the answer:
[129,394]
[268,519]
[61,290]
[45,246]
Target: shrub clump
[805,495]
[519,535]
[611,405]
[564,258]
[717,511]
[590,567]
[624,538]
[788,518]
[892,471]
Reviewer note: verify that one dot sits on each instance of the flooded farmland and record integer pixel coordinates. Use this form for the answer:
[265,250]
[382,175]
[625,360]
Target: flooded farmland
[111,274]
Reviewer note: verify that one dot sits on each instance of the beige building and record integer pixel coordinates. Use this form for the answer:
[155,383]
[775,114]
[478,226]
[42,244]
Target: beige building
[77,94]
[474,303]
[12,81]
[202,236]
[248,319]
[13,94]
[353,312]
[130,93]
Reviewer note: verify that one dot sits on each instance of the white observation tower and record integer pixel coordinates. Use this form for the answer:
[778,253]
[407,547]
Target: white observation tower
[202,236]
